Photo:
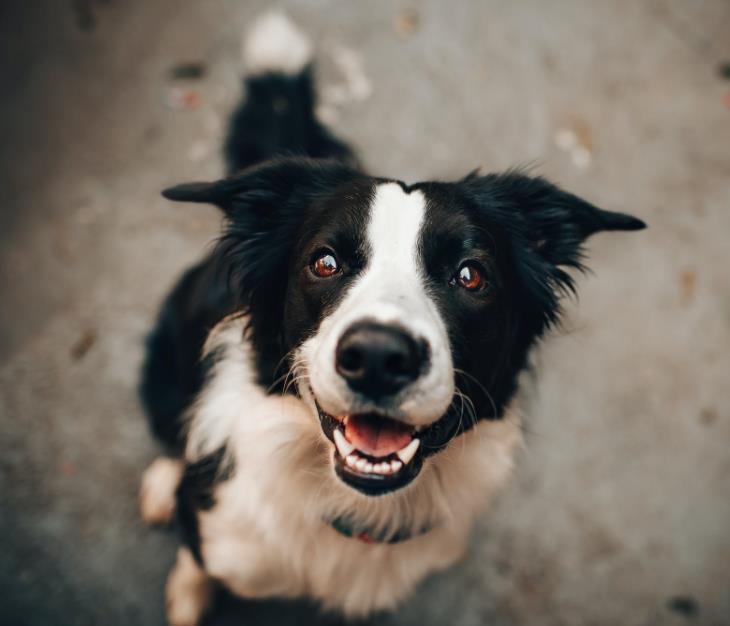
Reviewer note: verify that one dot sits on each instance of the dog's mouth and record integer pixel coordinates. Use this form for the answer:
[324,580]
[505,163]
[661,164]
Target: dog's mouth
[376,454]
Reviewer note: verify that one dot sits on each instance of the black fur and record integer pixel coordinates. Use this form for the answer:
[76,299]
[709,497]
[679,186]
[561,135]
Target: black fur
[195,493]
[268,208]
[173,372]
[523,231]
[275,118]
[280,210]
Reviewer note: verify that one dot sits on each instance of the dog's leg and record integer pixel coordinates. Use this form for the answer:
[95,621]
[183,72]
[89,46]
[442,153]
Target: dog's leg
[189,591]
[157,493]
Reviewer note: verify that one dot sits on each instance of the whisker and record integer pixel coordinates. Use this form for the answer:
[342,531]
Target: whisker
[286,374]
[484,390]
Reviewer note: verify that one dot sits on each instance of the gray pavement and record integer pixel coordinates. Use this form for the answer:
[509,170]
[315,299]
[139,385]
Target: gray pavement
[620,509]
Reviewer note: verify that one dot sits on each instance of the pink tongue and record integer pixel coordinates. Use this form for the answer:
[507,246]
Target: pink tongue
[377,436]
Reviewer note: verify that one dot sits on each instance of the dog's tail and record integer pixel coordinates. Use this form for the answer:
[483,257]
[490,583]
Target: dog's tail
[277,115]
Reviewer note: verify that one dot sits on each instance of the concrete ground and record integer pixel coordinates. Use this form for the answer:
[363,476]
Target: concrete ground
[620,509]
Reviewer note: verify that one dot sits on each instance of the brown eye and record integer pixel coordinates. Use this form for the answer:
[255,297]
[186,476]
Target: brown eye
[325,265]
[470,277]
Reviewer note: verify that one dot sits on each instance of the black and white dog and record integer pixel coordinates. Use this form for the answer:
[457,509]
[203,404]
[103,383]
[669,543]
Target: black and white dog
[338,374]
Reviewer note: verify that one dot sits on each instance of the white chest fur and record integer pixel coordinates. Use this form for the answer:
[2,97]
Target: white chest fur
[266,534]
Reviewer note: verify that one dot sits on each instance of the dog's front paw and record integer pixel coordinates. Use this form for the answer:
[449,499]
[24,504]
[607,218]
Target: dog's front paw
[189,591]
[157,493]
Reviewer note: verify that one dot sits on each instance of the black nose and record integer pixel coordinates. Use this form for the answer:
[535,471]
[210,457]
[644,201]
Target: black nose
[378,360]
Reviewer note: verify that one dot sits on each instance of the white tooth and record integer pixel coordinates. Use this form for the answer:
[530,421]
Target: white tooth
[407,453]
[351,460]
[344,447]
[369,468]
[361,463]
[379,468]
[395,466]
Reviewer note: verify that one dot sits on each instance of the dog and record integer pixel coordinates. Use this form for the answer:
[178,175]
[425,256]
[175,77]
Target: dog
[336,379]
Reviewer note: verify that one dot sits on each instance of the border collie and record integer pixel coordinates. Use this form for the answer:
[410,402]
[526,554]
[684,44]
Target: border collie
[335,380]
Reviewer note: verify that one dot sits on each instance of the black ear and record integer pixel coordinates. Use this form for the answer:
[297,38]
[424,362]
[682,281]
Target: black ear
[270,182]
[547,227]
[210,193]
[553,221]
[264,207]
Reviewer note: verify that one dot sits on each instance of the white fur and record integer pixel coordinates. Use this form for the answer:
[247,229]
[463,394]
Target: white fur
[267,535]
[219,406]
[392,291]
[157,493]
[275,44]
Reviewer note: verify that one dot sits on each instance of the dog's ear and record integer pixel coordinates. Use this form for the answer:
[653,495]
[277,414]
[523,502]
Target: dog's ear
[209,193]
[554,222]
[264,208]
[266,188]
[547,227]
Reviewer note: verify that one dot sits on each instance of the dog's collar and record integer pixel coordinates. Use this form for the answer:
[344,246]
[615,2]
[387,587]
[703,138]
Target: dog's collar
[347,528]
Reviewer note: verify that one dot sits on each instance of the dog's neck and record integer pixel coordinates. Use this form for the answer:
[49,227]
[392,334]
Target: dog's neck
[346,527]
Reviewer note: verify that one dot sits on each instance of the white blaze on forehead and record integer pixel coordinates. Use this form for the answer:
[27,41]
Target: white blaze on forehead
[391,288]
[393,232]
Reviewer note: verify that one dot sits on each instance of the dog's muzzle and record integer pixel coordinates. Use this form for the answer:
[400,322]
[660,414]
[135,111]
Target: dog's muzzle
[375,454]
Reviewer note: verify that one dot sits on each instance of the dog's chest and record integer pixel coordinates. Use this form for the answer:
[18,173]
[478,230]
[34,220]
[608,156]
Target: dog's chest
[260,552]
[268,533]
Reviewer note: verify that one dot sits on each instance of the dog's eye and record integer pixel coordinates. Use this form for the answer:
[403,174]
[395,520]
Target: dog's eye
[470,277]
[324,264]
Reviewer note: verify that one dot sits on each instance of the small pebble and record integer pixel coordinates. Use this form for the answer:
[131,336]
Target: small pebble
[684,605]
[581,156]
[687,286]
[192,70]
[179,99]
[708,416]
[576,145]
[566,139]
[83,344]
[406,23]
[724,70]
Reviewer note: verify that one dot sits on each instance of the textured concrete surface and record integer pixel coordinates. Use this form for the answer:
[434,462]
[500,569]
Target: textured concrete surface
[620,510]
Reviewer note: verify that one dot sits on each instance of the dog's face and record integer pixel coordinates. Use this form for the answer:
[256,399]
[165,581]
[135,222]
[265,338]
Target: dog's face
[404,314]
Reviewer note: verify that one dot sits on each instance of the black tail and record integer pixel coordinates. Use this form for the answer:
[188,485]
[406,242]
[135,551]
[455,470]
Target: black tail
[277,115]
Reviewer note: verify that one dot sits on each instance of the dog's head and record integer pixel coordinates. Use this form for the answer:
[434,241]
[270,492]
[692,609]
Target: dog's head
[403,313]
